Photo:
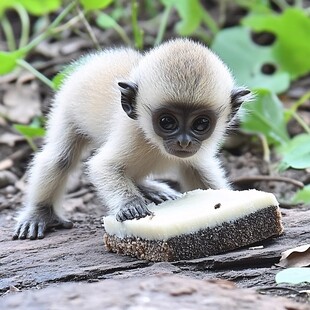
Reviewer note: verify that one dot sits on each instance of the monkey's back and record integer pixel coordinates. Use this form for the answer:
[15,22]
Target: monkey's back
[89,98]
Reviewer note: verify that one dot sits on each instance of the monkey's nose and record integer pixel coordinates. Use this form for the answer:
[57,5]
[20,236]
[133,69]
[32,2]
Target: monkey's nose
[184,142]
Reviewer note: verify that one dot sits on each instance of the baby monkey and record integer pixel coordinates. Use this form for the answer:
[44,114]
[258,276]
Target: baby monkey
[162,114]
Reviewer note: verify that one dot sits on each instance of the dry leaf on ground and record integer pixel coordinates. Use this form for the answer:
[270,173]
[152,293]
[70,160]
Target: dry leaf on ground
[10,139]
[296,257]
[21,103]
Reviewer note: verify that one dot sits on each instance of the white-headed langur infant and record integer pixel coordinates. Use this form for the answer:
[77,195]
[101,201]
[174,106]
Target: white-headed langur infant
[161,114]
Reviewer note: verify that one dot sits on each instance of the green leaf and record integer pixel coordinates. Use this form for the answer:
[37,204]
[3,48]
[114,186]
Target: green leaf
[266,115]
[95,4]
[292,46]
[302,196]
[8,61]
[6,4]
[105,21]
[29,131]
[293,275]
[246,60]
[40,7]
[260,6]
[296,153]
[191,13]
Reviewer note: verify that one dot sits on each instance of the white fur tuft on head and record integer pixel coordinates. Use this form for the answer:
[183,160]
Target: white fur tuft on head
[183,72]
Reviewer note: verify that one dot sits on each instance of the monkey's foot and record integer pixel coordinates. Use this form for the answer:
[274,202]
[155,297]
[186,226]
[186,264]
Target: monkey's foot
[158,192]
[134,209]
[35,226]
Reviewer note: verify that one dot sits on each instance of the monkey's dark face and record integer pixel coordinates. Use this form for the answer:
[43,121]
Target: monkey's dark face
[183,129]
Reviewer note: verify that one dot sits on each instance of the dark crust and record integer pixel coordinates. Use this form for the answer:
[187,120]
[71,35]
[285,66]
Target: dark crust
[228,236]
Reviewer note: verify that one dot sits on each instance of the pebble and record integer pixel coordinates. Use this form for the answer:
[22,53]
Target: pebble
[7,178]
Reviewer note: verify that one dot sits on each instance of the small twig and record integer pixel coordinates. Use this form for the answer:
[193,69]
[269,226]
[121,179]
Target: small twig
[266,149]
[18,155]
[66,25]
[88,28]
[289,205]
[301,122]
[258,178]
[79,193]
[24,64]
[270,288]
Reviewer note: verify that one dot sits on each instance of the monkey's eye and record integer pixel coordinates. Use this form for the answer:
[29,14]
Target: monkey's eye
[201,124]
[168,123]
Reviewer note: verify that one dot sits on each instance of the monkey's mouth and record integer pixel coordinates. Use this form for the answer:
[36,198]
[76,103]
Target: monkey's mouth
[182,153]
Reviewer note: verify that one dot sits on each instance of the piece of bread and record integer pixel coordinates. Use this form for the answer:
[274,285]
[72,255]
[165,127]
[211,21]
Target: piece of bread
[200,223]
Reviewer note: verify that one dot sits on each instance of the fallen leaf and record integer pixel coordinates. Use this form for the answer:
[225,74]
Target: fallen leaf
[21,103]
[296,257]
[10,139]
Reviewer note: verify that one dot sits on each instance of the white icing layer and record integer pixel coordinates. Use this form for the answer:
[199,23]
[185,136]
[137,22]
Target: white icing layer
[193,211]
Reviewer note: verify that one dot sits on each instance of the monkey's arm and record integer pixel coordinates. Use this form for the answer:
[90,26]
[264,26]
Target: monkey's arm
[208,173]
[116,189]
[158,191]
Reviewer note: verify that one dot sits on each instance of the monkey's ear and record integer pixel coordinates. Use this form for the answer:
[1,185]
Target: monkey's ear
[129,92]
[238,96]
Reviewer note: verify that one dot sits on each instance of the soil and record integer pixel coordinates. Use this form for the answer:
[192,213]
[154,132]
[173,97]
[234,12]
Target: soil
[39,271]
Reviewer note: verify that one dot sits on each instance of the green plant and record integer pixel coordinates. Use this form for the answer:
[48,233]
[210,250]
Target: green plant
[106,21]
[288,57]
[302,196]
[16,55]
[32,131]
[14,58]
[292,31]
[267,69]
[192,16]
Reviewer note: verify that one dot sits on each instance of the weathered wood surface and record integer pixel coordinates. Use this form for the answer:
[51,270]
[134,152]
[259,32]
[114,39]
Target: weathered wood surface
[79,255]
[157,292]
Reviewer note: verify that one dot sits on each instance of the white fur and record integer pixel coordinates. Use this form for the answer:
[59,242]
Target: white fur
[87,111]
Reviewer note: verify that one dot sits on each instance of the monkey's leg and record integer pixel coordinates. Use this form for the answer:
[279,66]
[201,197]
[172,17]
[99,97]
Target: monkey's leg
[158,191]
[46,186]
[115,188]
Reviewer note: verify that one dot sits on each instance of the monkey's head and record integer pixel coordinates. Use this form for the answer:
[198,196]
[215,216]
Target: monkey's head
[183,98]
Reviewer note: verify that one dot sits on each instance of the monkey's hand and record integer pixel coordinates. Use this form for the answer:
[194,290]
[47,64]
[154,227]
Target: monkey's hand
[133,209]
[33,225]
[158,192]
